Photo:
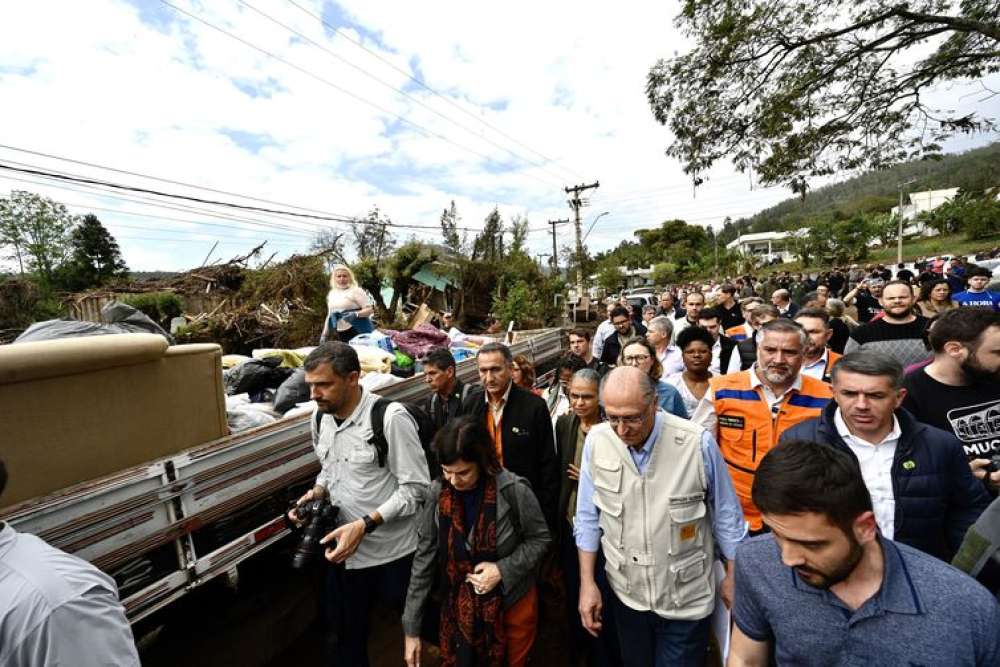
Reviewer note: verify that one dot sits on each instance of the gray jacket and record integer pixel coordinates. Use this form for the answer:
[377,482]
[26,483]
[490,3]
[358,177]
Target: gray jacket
[522,538]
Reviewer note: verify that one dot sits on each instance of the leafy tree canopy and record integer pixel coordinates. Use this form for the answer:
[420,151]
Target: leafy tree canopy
[96,258]
[794,90]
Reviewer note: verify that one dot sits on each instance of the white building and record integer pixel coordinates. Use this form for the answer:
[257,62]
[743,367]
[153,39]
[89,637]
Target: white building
[923,202]
[766,246]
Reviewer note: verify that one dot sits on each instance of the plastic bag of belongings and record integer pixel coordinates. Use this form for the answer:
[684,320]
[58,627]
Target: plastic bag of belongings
[116,318]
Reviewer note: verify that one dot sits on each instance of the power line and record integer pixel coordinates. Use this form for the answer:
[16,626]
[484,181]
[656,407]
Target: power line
[426,87]
[322,215]
[282,228]
[396,90]
[421,128]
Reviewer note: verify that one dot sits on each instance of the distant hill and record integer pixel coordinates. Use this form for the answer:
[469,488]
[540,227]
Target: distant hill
[876,191]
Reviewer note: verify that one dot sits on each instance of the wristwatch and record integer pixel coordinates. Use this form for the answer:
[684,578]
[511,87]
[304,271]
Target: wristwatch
[370,524]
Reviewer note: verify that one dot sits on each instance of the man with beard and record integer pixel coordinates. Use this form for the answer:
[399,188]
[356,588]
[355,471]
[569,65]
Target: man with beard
[754,407]
[624,329]
[826,588]
[817,359]
[378,492]
[959,391]
[899,334]
[924,494]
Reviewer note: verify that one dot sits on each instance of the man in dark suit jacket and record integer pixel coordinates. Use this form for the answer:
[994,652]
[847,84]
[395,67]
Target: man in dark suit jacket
[520,425]
[624,329]
[448,392]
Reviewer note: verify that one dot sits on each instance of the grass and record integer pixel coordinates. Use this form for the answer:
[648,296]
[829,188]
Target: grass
[913,249]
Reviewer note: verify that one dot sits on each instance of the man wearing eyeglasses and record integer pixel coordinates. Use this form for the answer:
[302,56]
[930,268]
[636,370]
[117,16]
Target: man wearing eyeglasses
[655,497]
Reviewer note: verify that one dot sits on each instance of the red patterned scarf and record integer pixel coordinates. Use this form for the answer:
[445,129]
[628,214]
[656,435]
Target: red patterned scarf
[472,631]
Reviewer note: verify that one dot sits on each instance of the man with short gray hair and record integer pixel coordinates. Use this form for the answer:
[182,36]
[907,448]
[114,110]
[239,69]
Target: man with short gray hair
[923,492]
[655,497]
[659,333]
[754,407]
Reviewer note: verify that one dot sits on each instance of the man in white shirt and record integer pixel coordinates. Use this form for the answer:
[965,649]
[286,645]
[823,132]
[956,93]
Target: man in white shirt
[604,331]
[817,358]
[56,609]
[725,358]
[923,492]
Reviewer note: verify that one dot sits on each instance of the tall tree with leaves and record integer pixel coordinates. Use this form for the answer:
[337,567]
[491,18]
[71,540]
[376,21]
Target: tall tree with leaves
[449,229]
[488,246]
[795,90]
[37,229]
[96,257]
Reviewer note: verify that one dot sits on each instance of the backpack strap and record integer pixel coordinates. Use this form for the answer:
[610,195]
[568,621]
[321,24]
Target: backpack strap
[318,418]
[378,440]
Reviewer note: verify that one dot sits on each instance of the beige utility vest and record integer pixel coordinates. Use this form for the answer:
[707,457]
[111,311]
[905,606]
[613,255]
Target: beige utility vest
[657,536]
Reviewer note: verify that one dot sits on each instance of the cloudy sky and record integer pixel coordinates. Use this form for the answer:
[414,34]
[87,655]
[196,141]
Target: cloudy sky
[333,108]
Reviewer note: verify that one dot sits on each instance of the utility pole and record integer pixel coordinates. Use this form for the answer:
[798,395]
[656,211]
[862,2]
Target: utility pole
[576,203]
[899,237]
[538,256]
[555,256]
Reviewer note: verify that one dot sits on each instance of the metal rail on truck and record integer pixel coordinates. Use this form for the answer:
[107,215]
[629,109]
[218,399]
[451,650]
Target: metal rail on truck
[165,527]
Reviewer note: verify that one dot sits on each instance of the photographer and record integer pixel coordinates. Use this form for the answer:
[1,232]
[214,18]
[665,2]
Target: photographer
[376,492]
[866,296]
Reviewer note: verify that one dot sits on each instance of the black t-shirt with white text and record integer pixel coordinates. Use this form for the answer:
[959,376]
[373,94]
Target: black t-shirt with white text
[972,413]
[868,306]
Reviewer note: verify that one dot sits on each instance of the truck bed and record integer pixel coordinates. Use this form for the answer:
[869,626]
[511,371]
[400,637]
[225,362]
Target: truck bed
[169,525]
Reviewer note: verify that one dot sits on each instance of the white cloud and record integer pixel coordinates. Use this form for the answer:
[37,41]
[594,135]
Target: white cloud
[139,86]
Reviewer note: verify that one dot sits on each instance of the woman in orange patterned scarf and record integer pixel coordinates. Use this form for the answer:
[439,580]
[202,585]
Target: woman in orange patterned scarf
[482,527]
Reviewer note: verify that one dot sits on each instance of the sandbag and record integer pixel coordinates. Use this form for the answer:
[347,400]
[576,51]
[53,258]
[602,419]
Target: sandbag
[292,391]
[116,318]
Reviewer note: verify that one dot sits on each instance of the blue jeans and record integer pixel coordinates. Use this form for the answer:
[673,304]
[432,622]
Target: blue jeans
[647,640]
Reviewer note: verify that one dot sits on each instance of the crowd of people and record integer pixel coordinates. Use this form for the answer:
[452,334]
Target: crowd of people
[798,470]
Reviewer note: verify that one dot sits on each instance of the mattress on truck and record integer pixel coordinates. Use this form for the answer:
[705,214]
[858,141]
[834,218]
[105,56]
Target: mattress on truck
[75,409]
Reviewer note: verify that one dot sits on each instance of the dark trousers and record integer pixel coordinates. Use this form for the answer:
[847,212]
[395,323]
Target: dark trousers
[648,640]
[350,595]
[603,650]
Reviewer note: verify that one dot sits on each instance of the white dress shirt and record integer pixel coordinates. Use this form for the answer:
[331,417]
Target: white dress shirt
[817,368]
[672,360]
[876,469]
[604,331]
[716,366]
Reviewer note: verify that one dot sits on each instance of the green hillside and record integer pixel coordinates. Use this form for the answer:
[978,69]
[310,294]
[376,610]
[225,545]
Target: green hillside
[977,169]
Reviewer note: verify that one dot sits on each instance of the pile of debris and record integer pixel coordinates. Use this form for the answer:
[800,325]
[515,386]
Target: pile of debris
[283,306]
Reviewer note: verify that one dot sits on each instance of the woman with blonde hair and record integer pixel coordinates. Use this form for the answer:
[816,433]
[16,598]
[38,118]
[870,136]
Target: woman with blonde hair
[348,308]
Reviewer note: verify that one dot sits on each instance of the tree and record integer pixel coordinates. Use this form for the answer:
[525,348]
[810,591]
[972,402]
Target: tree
[488,245]
[95,259]
[38,229]
[793,90]
[518,235]
[330,242]
[372,237]
[400,268]
[664,273]
[610,277]
[884,227]
[449,228]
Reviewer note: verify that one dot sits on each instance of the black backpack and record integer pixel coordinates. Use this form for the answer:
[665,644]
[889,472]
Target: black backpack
[425,431]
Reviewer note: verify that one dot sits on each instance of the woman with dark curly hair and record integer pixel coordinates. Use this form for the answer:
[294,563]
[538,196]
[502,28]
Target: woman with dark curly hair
[482,528]
[935,298]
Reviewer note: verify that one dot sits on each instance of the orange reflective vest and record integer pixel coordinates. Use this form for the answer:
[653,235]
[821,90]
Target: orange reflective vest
[831,358]
[747,430]
[737,333]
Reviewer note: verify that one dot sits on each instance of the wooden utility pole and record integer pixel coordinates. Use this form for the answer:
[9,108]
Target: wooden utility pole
[555,256]
[576,204]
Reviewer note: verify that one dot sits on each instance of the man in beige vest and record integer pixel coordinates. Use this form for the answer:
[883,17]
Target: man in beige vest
[656,499]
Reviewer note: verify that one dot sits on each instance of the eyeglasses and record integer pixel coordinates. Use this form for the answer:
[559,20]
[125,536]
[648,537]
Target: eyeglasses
[636,358]
[631,420]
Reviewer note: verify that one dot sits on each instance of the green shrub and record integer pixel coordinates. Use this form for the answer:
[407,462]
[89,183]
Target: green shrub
[157,306]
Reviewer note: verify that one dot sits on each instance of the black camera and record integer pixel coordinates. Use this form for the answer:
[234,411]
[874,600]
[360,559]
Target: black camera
[318,518]
[994,464]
